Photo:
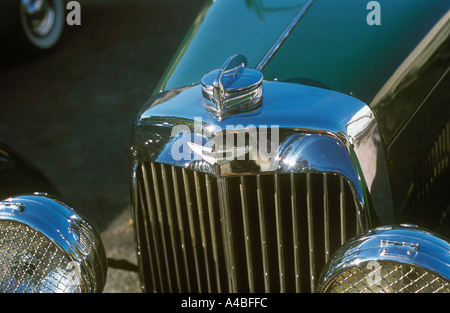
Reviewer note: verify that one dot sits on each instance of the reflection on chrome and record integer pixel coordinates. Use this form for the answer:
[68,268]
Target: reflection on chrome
[319,131]
[45,246]
[389,259]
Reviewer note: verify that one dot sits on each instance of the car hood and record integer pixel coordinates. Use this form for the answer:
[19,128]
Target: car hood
[332,46]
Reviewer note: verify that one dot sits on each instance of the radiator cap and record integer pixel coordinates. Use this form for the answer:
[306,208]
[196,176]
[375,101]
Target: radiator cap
[233,88]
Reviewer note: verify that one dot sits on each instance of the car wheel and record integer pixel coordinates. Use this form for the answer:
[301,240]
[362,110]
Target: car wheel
[42,22]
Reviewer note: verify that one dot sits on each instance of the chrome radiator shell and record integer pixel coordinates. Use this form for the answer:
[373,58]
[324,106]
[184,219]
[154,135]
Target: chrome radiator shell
[320,132]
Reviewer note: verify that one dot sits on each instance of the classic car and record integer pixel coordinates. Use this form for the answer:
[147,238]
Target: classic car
[32,24]
[298,146]
[291,146]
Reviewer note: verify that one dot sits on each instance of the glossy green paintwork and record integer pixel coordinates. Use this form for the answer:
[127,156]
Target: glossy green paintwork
[386,66]
[224,28]
[332,45]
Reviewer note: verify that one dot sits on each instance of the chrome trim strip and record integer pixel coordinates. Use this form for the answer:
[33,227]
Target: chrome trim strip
[284,35]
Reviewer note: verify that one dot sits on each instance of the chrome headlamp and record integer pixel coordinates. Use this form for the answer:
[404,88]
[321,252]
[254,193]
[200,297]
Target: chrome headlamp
[45,246]
[394,259]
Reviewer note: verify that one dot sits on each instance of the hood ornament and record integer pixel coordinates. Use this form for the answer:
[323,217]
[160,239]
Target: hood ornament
[233,88]
[222,156]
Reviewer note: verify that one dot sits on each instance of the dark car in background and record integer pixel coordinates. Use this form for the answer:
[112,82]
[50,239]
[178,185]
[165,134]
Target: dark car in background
[34,25]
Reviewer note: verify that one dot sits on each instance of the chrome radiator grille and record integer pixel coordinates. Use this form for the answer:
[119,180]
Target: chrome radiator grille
[260,233]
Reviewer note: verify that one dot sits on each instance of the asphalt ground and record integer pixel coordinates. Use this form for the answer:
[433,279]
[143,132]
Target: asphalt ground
[70,112]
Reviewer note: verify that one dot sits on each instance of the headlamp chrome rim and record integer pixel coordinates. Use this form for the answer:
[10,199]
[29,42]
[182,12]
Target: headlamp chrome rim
[75,236]
[406,245]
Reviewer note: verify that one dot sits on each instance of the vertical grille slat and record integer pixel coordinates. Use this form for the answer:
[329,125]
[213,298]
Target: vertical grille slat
[342,210]
[263,234]
[258,233]
[279,232]
[198,192]
[326,218]
[309,204]
[295,233]
[227,234]
[214,237]
[247,235]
